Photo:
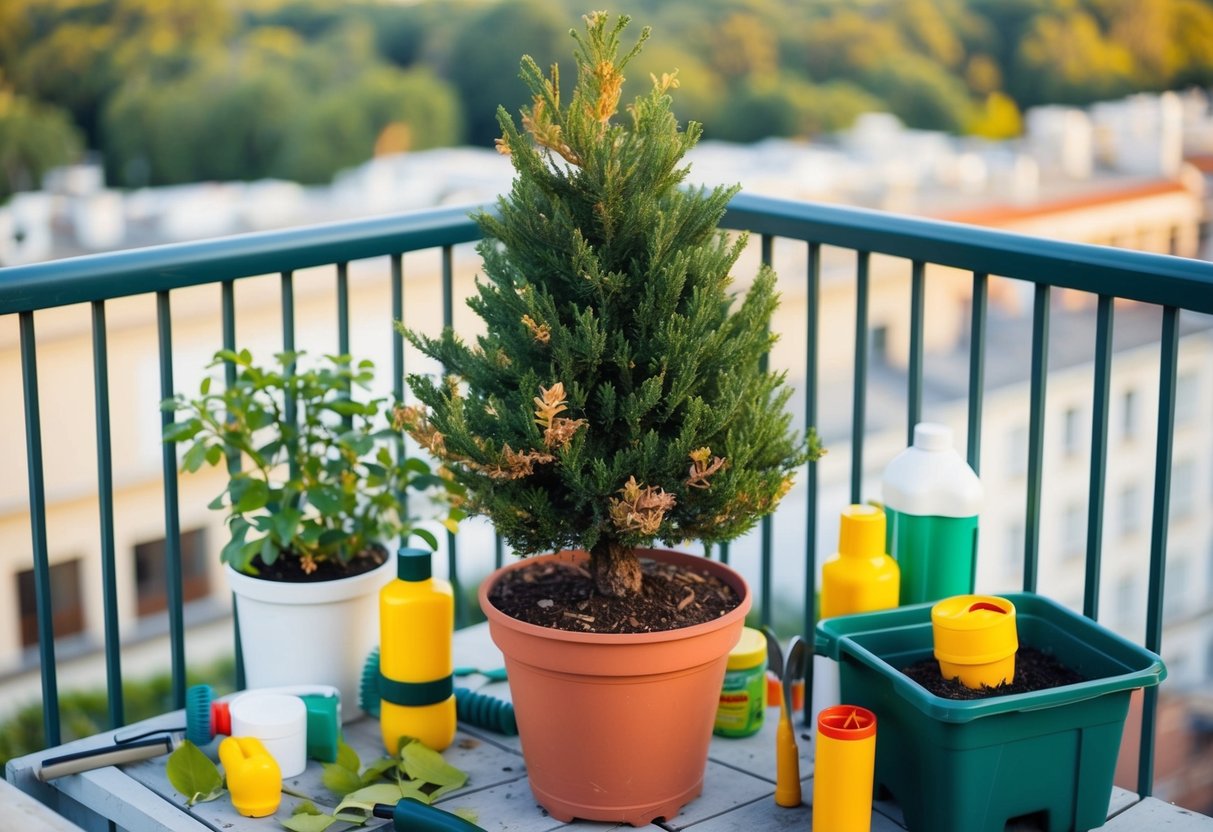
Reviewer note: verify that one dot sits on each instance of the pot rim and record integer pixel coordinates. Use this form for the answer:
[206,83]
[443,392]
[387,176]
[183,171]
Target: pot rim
[306,592]
[723,571]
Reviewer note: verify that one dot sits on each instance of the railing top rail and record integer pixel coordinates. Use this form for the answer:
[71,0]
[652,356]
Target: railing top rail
[158,268]
[1134,275]
[1149,278]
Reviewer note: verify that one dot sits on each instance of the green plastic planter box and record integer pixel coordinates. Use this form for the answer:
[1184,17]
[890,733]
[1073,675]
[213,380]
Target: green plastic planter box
[971,766]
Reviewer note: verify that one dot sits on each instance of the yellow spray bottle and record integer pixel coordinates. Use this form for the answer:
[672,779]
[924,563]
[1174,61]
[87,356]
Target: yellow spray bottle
[416,621]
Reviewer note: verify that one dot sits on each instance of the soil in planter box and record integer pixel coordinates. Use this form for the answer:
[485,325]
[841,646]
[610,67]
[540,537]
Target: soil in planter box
[1034,670]
[562,596]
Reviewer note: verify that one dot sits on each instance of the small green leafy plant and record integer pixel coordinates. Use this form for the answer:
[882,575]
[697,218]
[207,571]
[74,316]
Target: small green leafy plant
[313,475]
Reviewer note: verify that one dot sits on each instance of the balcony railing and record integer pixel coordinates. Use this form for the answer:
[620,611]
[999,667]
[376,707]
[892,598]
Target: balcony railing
[1173,284]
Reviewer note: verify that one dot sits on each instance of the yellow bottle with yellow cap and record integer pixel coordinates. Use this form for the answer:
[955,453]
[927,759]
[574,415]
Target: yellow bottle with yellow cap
[862,578]
[416,622]
[743,697]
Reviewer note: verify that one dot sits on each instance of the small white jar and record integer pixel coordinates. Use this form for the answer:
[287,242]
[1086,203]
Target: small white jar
[279,721]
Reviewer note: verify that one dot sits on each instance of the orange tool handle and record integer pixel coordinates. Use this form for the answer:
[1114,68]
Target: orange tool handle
[787,765]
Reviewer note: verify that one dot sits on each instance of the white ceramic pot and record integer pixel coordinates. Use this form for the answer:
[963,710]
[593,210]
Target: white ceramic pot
[316,633]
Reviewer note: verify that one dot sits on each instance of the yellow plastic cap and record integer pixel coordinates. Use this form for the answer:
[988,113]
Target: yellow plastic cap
[975,639]
[861,532]
[751,650]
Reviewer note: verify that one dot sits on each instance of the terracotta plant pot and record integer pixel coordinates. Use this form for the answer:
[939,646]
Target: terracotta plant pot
[615,727]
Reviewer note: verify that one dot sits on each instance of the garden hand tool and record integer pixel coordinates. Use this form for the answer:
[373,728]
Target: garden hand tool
[787,757]
[122,751]
[409,815]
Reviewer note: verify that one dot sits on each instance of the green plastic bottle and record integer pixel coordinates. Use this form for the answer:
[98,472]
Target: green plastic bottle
[932,499]
[416,622]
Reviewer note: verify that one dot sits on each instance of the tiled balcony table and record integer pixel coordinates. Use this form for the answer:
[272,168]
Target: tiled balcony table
[738,792]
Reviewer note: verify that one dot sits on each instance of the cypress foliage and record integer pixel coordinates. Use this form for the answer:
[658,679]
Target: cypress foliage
[617,397]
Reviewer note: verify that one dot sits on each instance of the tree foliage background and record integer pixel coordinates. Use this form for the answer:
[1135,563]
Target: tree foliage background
[244,89]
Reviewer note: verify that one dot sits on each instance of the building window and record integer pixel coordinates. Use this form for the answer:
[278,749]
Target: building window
[1071,433]
[1187,401]
[1127,595]
[1129,417]
[67,602]
[1183,485]
[880,344]
[1017,450]
[1175,588]
[1130,510]
[151,571]
[1073,531]
[1016,540]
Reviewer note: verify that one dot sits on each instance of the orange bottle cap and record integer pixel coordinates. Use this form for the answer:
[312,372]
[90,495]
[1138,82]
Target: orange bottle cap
[846,722]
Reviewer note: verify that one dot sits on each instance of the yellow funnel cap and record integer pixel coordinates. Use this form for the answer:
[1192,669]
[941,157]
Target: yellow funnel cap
[861,532]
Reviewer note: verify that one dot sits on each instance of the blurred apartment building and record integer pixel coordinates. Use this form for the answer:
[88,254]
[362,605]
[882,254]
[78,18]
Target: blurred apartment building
[1135,173]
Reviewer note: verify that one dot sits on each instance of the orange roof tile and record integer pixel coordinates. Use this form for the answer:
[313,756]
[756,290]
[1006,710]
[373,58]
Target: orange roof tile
[1000,214]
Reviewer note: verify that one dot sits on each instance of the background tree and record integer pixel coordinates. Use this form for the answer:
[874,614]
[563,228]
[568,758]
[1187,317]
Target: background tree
[956,65]
[33,139]
[483,63]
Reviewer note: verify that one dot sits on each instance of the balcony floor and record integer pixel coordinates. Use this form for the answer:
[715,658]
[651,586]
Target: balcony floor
[738,790]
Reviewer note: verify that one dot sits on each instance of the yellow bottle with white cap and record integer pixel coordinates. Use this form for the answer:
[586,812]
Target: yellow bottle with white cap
[862,578]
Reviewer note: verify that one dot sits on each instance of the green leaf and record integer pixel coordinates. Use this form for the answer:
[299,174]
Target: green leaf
[194,457]
[252,497]
[340,780]
[193,774]
[284,523]
[181,431]
[422,763]
[326,499]
[348,757]
[345,407]
[377,769]
[468,814]
[413,789]
[308,822]
[366,797]
[269,552]
[213,454]
[427,536]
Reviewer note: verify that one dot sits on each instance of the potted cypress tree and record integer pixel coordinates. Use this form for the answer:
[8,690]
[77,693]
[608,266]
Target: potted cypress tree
[617,397]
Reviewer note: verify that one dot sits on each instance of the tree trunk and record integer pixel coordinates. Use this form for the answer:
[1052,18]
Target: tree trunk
[615,568]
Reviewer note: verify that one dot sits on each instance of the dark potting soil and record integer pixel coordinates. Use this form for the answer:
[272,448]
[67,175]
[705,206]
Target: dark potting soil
[562,596]
[289,568]
[1034,670]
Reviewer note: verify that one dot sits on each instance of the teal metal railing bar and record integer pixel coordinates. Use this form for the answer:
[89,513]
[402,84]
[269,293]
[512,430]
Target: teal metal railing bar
[1171,283]
[977,366]
[105,510]
[1099,455]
